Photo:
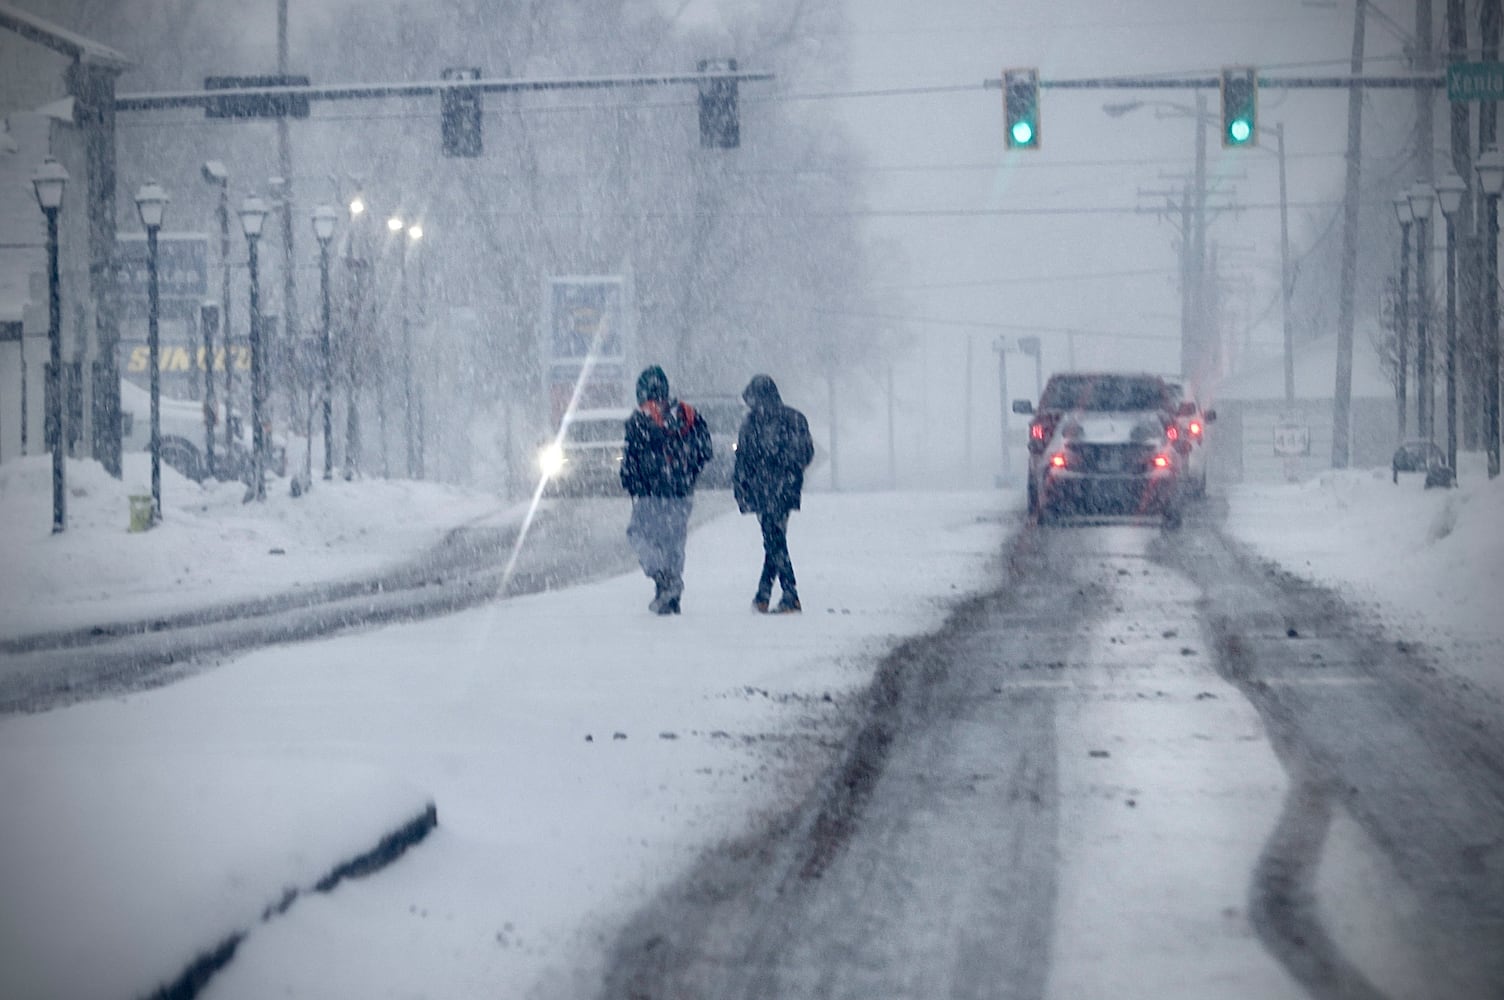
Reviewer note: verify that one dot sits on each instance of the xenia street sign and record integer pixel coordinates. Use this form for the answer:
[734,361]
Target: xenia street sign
[1475,81]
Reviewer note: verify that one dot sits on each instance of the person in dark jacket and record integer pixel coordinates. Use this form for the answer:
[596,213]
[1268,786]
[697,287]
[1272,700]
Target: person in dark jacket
[667,444]
[773,449]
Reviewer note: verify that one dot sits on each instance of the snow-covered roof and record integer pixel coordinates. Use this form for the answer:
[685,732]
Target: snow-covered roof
[60,39]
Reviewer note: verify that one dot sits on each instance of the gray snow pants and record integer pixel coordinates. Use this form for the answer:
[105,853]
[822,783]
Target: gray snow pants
[657,531]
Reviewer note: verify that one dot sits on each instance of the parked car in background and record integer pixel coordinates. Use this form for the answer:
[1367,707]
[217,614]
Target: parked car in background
[585,459]
[1420,455]
[183,437]
[1104,443]
[1191,424]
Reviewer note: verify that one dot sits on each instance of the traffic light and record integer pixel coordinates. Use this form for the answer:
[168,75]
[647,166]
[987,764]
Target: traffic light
[1240,100]
[720,127]
[460,114]
[1021,108]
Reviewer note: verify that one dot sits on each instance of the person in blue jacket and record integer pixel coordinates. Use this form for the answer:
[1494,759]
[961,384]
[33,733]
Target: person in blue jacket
[667,444]
[773,449]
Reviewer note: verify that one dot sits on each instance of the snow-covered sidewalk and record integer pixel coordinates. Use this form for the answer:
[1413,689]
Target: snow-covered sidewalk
[210,547]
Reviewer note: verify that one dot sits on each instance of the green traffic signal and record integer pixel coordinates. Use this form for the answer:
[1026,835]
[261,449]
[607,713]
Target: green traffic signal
[1021,108]
[1240,95]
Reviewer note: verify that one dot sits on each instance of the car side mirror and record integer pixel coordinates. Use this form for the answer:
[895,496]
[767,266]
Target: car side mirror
[1209,416]
[1023,406]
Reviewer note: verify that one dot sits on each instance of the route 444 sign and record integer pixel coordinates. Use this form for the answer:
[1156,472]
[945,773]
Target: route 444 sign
[1292,439]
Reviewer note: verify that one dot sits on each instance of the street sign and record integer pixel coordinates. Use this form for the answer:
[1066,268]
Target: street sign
[1475,81]
[1291,439]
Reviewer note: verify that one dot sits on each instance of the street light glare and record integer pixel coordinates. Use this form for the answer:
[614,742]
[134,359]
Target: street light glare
[394,224]
[1240,130]
[357,205]
[415,232]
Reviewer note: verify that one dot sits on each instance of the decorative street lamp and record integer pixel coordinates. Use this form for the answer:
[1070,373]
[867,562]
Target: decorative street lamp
[413,234]
[216,173]
[1490,167]
[359,267]
[1422,200]
[252,216]
[151,203]
[323,229]
[48,182]
[1450,191]
[1402,309]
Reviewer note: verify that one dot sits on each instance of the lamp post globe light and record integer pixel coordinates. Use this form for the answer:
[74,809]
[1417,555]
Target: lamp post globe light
[252,216]
[1406,216]
[323,229]
[1450,190]
[151,204]
[48,183]
[1490,167]
[1422,198]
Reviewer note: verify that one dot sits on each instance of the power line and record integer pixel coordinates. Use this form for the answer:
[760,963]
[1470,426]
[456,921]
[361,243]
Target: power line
[993,325]
[1034,279]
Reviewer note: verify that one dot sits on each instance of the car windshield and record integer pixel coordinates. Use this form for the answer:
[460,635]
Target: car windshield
[1104,392]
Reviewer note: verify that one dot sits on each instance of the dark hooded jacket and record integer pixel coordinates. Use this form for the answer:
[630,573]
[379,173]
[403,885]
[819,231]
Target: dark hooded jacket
[772,451]
[667,442]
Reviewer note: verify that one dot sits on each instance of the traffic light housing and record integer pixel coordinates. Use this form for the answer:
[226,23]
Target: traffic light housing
[720,126]
[460,114]
[1240,100]
[1021,108]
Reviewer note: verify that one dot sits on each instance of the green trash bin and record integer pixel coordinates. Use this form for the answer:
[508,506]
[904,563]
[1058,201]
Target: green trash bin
[140,511]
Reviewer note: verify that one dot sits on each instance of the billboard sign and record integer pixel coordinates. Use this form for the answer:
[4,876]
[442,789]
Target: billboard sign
[587,343]
[182,272]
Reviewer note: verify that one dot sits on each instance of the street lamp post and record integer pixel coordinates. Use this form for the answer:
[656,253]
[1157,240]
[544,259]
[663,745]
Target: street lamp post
[48,182]
[411,235]
[151,202]
[1490,167]
[215,173]
[1422,199]
[1402,311]
[323,229]
[1450,191]
[358,267]
[252,216]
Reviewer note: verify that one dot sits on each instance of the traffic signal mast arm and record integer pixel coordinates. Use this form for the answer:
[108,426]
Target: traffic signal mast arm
[359,91]
[1405,82]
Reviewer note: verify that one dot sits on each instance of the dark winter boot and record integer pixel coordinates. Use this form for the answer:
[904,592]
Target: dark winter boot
[660,591]
[788,605]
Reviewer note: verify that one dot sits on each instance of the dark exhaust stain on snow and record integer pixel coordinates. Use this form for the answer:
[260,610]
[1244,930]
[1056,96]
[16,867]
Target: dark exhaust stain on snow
[191,981]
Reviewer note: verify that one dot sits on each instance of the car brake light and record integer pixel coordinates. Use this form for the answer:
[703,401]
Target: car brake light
[1057,460]
[1161,461]
[1172,432]
[1195,428]
[1036,431]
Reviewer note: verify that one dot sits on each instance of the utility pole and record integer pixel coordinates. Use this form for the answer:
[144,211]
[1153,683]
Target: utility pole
[1463,224]
[1425,172]
[1286,283]
[1199,371]
[1342,397]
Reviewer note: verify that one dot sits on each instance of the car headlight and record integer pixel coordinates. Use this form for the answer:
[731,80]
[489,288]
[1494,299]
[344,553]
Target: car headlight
[551,460]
